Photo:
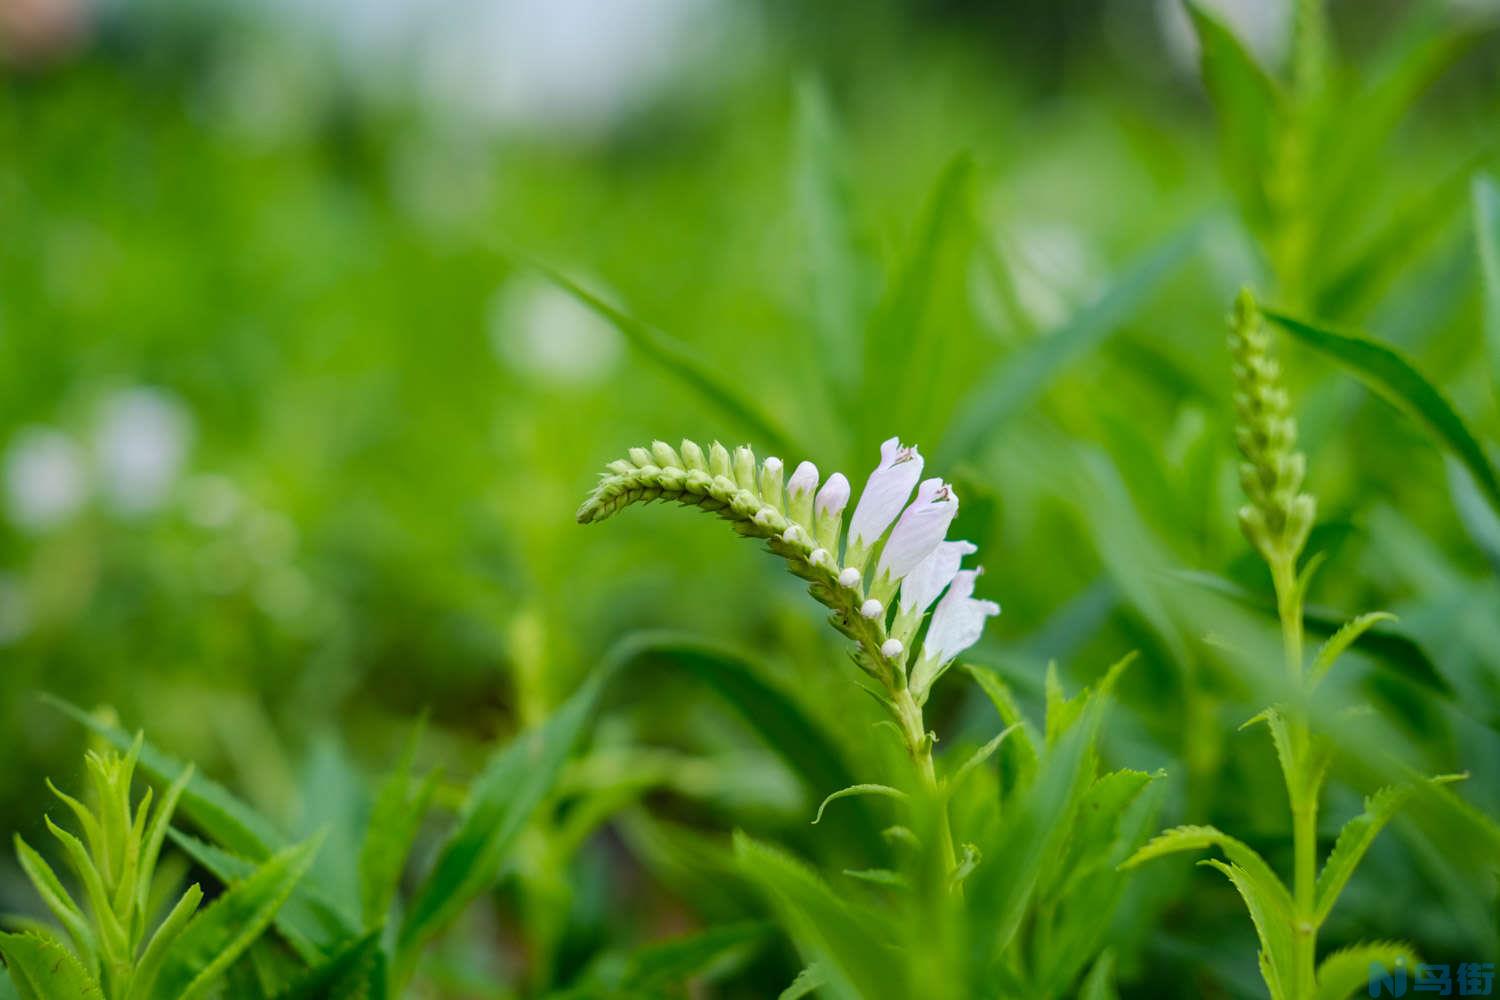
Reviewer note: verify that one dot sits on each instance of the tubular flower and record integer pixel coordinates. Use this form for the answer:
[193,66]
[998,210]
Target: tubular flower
[956,625]
[803,524]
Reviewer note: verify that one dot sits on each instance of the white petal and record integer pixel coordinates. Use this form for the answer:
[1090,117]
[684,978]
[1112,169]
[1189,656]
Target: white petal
[804,479]
[926,581]
[921,528]
[885,492]
[834,496]
[958,621]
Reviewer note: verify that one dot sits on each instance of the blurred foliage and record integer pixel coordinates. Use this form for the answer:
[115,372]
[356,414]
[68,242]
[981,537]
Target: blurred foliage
[294,422]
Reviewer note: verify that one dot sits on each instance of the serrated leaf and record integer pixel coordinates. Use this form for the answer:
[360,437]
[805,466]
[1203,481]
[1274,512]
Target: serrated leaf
[218,935]
[207,804]
[1353,841]
[978,757]
[312,923]
[357,972]
[161,942]
[1016,381]
[1346,972]
[1400,383]
[863,789]
[1197,838]
[1339,643]
[42,968]
[850,946]
[1273,926]
[57,899]
[501,802]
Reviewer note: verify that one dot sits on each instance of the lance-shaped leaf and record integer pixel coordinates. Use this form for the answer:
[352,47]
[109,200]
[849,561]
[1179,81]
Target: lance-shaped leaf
[400,806]
[501,803]
[808,982]
[1398,381]
[62,905]
[1340,641]
[1346,973]
[357,972]
[1354,840]
[1272,926]
[217,936]
[42,968]
[1198,838]
[851,946]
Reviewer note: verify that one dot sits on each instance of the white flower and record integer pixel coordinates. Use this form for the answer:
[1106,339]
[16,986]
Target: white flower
[920,529]
[829,511]
[885,493]
[956,625]
[926,581]
[140,445]
[46,478]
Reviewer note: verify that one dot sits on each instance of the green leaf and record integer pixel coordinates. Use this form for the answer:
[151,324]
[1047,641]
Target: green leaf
[863,789]
[1487,235]
[1099,984]
[835,265]
[1022,746]
[501,802]
[668,963]
[901,339]
[1341,640]
[1273,926]
[1346,973]
[357,972]
[682,362]
[879,876]
[1016,381]
[1197,838]
[1393,377]
[400,806]
[1354,840]
[42,968]
[1248,103]
[218,935]
[850,946]
[207,804]
[310,921]
[162,940]
[8,988]
[978,757]
[62,905]
[808,982]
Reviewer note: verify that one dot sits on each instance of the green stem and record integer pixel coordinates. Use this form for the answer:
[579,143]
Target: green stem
[920,746]
[1302,792]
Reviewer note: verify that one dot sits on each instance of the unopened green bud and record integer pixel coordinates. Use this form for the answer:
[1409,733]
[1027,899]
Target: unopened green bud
[770,482]
[718,461]
[692,457]
[641,457]
[744,468]
[665,455]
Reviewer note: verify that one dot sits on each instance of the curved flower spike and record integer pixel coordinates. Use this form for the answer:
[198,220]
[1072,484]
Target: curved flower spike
[956,625]
[885,493]
[916,535]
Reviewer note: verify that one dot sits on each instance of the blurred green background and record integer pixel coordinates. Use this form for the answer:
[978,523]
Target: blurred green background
[293,431]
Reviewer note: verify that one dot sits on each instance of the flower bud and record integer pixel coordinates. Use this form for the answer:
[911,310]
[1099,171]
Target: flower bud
[849,578]
[796,536]
[665,455]
[800,490]
[820,558]
[872,609]
[718,461]
[892,648]
[692,457]
[641,457]
[770,482]
[828,511]
[744,468]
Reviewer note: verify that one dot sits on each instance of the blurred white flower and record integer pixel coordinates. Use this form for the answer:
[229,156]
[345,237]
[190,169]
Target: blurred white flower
[15,609]
[46,478]
[543,332]
[140,443]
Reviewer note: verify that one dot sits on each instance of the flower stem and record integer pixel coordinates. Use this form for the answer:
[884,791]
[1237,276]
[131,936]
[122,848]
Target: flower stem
[919,744]
[1302,790]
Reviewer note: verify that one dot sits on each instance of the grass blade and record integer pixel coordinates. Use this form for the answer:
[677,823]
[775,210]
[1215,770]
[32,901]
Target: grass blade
[1487,234]
[679,360]
[1399,382]
[1017,380]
